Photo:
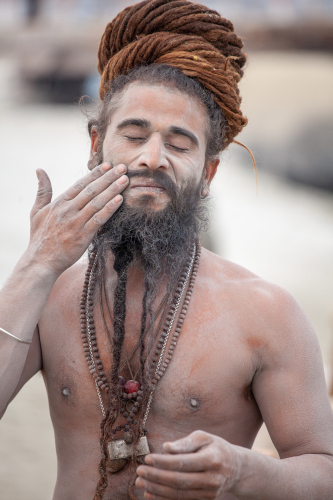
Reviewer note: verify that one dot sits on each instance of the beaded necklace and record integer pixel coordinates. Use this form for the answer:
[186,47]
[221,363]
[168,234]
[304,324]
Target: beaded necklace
[131,394]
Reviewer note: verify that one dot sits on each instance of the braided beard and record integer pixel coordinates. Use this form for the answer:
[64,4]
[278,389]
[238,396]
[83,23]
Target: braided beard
[160,242]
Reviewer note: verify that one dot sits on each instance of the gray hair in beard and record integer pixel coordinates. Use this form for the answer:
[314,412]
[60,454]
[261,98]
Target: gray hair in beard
[161,242]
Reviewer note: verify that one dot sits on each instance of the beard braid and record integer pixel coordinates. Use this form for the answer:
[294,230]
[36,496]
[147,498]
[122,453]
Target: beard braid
[160,242]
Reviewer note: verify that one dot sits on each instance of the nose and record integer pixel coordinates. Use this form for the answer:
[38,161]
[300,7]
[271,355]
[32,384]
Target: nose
[152,155]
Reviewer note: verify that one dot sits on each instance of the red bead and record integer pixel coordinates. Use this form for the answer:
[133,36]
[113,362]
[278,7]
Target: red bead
[131,386]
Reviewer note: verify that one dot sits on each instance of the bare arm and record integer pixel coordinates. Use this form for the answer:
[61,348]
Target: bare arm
[60,233]
[290,390]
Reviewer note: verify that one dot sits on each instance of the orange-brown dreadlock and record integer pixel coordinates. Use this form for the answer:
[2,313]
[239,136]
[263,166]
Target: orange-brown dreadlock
[201,44]
[190,37]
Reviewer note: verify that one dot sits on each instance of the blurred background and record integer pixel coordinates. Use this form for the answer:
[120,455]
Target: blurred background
[283,232]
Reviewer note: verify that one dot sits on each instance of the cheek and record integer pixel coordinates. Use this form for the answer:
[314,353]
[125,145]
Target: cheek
[189,170]
[115,150]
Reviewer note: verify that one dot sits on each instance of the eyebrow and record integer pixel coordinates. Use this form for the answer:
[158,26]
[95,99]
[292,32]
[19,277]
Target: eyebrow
[186,133]
[139,122]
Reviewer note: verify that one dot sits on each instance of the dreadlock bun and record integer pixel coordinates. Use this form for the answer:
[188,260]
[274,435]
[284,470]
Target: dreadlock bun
[190,37]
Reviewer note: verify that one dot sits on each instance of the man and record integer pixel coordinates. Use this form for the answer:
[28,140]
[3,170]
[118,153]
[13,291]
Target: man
[153,353]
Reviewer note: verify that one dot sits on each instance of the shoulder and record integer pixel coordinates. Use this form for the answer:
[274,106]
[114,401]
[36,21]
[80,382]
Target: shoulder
[228,278]
[67,290]
[267,313]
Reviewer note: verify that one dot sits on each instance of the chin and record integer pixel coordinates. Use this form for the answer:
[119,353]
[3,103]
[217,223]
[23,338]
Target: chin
[146,201]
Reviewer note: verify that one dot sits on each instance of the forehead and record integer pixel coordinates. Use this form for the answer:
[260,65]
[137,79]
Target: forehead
[163,107]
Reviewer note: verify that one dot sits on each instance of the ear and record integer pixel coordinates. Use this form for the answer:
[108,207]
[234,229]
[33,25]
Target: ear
[94,143]
[209,173]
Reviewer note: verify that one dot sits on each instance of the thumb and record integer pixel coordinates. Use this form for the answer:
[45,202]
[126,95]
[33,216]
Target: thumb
[44,192]
[189,444]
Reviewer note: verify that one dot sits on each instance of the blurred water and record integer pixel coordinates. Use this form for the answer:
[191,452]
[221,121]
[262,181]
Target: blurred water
[284,234]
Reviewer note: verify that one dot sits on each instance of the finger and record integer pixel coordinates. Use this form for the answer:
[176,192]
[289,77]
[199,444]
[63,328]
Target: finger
[100,200]
[158,491]
[189,462]
[80,184]
[44,191]
[177,480]
[191,443]
[101,217]
[97,186]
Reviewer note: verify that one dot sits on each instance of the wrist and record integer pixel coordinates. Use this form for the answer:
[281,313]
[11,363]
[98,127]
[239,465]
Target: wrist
[254,472]
[34,268]
[240,463]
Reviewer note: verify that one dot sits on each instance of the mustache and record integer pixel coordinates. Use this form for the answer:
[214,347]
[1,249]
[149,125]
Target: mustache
[159,177]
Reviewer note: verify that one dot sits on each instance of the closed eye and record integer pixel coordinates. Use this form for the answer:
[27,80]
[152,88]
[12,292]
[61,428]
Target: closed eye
[176,148]
[135,139]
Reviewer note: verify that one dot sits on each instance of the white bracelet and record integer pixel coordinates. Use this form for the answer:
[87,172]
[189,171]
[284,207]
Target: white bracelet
[16,338]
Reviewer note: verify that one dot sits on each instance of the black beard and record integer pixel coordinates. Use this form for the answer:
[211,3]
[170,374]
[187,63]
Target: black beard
[160,240]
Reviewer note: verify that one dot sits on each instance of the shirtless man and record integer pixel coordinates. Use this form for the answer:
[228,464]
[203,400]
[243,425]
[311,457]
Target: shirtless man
[245,354]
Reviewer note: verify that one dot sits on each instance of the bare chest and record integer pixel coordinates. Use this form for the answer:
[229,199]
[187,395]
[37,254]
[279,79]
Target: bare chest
[207,383]
[206,386]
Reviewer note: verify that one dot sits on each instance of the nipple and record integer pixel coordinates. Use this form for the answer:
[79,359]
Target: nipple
[66,392]
[194,403]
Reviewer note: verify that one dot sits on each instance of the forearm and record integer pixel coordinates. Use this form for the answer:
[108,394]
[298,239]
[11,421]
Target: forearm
[296,478]
[22,300]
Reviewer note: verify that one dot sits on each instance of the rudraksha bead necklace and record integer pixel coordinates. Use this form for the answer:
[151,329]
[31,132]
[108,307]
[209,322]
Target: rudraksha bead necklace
[131,392]
[189,274]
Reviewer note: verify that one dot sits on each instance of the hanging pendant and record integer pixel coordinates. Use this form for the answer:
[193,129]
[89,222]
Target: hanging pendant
[116,465]
[120,452]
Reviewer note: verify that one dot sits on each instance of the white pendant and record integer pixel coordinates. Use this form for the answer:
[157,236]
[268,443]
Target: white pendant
[119,449]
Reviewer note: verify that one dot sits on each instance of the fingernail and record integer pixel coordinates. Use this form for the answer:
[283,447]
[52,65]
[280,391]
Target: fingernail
[140,482]
[121,169]
[105,167]
[123,179]
[141,471]
[117,199]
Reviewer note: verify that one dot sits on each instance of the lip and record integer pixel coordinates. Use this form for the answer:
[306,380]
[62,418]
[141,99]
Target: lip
[146,185]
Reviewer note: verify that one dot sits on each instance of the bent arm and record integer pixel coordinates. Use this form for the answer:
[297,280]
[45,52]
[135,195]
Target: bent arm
[289,387]
[61,232]
[291,393]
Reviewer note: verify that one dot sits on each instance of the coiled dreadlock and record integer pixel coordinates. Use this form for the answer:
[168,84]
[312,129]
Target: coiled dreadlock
[190,37]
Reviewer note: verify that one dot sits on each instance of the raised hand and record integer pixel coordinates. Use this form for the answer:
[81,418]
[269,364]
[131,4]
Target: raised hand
[197,467]
[61,231]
